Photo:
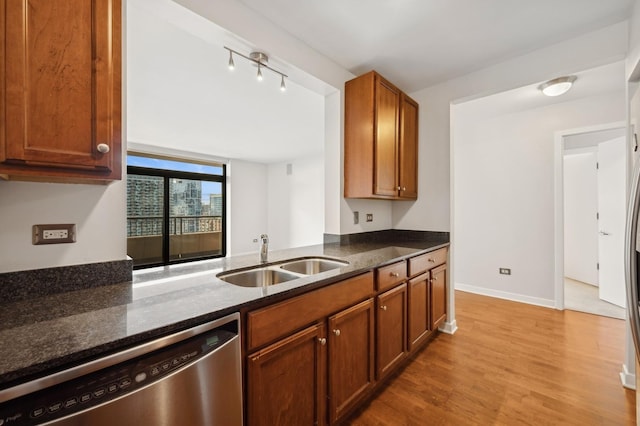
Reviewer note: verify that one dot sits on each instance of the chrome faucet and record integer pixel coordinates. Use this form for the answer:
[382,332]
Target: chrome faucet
[264,248]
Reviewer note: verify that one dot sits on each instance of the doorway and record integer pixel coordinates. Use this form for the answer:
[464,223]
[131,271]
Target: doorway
[594,203]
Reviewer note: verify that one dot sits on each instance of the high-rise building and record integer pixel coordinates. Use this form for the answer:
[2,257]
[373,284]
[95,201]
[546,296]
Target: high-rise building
[144,205]
[215,201]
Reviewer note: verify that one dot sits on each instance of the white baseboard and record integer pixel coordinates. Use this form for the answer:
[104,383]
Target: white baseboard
[515,297]
[449,327]
[628,380]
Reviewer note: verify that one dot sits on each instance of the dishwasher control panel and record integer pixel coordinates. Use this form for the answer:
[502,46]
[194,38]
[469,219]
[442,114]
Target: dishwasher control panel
[109,383]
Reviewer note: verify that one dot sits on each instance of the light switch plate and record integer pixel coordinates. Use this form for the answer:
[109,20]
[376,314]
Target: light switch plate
[53,234]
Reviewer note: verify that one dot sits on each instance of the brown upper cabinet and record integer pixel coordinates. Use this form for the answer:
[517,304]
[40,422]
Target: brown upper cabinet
[60,96]
[380,140]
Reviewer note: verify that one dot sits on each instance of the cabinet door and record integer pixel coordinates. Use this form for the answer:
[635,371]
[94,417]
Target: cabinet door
[391,329]
[62,80]
[419,326]
[286,381]
[408,163]
[438,296]
[350,357]
[387,100]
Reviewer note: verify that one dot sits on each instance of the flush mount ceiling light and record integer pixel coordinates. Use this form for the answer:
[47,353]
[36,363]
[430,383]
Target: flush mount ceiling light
[557,86]
[260,60]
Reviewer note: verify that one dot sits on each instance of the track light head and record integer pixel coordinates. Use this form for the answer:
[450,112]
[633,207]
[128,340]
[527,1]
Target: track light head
[259,73]
[232,65]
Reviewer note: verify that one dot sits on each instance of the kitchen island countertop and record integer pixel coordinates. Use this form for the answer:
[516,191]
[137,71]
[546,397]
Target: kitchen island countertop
[51,333]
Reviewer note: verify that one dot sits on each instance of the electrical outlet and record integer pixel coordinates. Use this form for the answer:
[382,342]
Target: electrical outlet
[53,234]
[505,271]
[369,217]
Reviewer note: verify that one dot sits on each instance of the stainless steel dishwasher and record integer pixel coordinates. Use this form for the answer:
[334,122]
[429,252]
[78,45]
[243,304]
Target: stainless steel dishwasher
[192,377]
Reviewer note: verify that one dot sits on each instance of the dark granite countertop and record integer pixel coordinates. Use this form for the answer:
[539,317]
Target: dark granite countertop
[53,332]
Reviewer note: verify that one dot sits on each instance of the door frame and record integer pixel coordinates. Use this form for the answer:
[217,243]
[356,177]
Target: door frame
[558,184]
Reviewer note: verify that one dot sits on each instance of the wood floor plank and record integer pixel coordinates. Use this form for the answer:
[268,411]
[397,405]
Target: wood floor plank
[511,364]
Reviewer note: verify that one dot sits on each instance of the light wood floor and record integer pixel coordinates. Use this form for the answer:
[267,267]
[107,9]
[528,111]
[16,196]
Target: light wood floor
[511,364]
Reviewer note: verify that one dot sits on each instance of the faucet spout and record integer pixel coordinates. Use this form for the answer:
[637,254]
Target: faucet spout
[264,248]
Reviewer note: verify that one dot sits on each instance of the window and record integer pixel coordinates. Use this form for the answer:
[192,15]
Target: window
[175,211]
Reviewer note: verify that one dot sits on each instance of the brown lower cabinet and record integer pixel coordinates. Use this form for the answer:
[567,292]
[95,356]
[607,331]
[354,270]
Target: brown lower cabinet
[350,357]
[391,338]
[438,296]
[427,296]
[286,381]
[419,323]
[313,358]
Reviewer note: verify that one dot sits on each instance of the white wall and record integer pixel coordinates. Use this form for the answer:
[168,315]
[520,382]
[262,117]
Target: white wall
[247,205]
[432,209]
[633,58]
[333,166]
[97,211]
[504,193]
[296,203]
[580,210]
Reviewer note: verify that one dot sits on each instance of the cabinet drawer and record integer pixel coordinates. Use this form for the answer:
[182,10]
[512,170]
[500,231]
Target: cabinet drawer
[426,261]
[272,322]
[391,275]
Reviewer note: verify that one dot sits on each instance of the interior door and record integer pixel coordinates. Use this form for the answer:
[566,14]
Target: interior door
[611,208]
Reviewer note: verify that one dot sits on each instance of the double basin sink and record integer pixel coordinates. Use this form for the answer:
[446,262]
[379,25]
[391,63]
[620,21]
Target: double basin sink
[288,270]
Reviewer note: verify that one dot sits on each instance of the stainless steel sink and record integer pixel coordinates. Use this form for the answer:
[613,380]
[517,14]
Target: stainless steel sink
[258,277]
[288,270]
[313,266]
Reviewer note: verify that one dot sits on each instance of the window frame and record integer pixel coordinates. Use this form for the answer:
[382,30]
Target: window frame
[175,174]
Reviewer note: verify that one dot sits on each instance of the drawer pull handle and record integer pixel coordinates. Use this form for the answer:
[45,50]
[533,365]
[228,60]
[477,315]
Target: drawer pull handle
[336,332]
[434,279]
[431,260]
[404,188]
[383,307]
[398,188]
[394,274]
[322,341]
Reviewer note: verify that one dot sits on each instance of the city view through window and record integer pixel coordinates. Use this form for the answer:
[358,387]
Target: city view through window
[175,211]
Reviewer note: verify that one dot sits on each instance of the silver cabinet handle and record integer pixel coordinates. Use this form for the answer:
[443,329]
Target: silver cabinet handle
[383,307]
[103,148]
[431,260]
[336,332]
[604,233]
[434,279]
[404,188]
[394,274]
[398,188]
[322,341]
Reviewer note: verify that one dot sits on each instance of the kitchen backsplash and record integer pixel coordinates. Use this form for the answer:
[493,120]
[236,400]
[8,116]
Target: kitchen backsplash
[387,235]
[23,285]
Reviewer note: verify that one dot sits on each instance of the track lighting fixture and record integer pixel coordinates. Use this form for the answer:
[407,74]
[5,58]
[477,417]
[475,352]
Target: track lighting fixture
[260,59]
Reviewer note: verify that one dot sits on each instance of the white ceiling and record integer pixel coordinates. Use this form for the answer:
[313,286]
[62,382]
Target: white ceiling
[418,43]
[182,97]
[605,79]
